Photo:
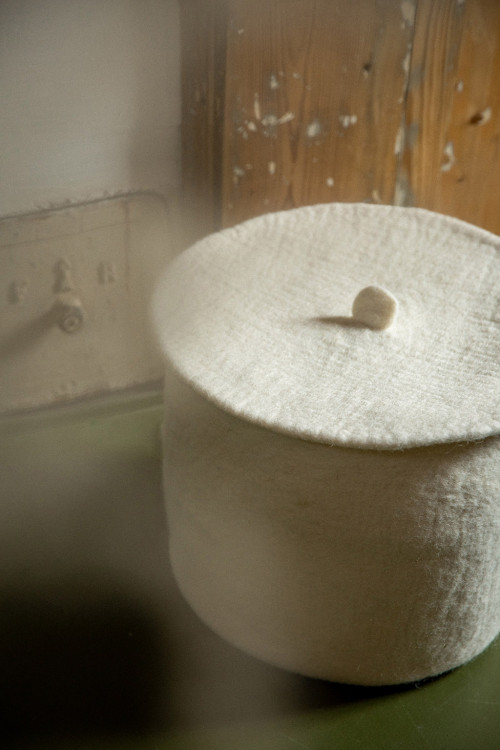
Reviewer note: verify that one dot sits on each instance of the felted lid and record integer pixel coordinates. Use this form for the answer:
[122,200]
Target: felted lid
[260,319]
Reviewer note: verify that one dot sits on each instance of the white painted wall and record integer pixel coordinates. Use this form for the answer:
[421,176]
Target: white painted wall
[89,100]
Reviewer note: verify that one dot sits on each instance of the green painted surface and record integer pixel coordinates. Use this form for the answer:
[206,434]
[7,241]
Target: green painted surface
[84,563]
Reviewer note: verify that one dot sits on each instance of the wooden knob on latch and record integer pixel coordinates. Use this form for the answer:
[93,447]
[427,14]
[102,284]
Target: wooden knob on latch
[70,312]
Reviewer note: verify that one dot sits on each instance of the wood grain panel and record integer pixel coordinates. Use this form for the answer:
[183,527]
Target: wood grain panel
[292,102]
[203,72]
[452,161]
[314,101]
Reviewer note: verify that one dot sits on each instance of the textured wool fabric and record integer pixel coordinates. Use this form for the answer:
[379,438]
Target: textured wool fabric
[332,441]
[258,317]
[366,567]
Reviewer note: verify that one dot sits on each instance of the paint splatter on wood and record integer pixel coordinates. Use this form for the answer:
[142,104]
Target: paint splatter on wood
[400,103]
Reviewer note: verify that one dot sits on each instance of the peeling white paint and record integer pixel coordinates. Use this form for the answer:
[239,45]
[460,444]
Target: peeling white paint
[486,113]
[406,62]
[483,117]
[297,76]
[347,120]
[376,196]
[408,12]
[287,117]
[330,182]
[256,106]
[449,152]
[271,120]
[267,121]
[313,129]
[240,31]
[271,167]
[460,86]
[273,82]
[399,144]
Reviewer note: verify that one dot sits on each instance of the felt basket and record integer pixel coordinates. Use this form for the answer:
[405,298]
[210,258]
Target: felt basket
[332,438]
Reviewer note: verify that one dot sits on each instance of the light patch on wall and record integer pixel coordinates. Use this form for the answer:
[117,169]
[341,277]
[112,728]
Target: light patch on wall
[90,100]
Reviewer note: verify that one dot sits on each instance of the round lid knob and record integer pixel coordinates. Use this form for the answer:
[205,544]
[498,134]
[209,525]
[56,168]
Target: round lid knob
[375,308]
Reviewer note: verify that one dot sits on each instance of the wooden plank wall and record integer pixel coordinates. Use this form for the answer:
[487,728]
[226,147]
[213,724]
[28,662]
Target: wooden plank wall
[292,102]
[453,104]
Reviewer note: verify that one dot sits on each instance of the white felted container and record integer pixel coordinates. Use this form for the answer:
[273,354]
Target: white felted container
[332,458]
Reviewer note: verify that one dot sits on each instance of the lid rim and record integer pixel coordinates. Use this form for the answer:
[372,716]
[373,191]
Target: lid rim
[475,436]
[225,356]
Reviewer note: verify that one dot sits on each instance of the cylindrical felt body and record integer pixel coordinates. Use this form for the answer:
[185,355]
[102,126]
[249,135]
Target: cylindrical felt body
[359,566]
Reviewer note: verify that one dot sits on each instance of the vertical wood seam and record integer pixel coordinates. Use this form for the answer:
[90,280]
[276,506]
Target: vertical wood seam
[402,188]
[219,81]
